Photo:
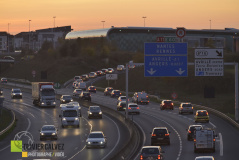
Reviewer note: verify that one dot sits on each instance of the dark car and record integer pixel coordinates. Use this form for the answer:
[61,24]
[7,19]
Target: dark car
[48,132]
[3,80]
[115,93]
[151,153]
[104,71]
[92,89]
[108,91]
[66,99]
[1,91]
[121,106]
[85,96]
[160,135]
[16,93]
[85,77]
[166,104]
[99,73]
[191,131]
[94,112]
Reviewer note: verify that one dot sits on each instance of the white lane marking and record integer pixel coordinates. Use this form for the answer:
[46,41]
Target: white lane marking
[17,111]
[213,125]
[32,115]
[179,137]
[221,144]
[144,138]
[84,145]
[117,140]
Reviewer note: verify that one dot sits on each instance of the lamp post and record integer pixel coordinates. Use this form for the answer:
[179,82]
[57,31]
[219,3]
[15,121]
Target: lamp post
[144,20]
[29,35]
[210,23]
[103,23]
[54,21]
[8,36]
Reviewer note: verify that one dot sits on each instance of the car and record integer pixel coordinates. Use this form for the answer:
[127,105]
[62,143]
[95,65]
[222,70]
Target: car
[104,71]
[96,139]
[133,108]
[85,96]
[75,104]
[85,77]
[92,89]
[160,135]
[120,68]
[201,116]
[66,99]
[8,58]
[121,106]
[1,91]
[81,85]
[3,80]
[92,75]
[166,104]
[115,93]
[185,108]
[77,92]
[121,98]
[77,77]
[48,132]
[94,111]
[108,91]
[191,131]
[140,97]
[151,152]
[16,93]
[110,70]
[99,73]
[204,158]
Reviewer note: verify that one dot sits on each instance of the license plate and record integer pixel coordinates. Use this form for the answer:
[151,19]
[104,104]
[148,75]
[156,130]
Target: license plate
[159,138]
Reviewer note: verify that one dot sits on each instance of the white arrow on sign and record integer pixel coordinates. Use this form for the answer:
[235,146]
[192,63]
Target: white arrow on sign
[180,71]
[151,71]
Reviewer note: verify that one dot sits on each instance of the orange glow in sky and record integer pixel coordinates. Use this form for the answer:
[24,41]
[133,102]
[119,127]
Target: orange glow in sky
[88,14]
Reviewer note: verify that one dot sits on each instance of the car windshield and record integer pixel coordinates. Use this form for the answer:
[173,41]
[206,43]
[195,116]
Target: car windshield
[123,97]
[94,108]
[96,135]
[187,105]
[202,113]
[150,151]
[167,102]
[133,105]
[195,128]
[48,128]
[70,113]
[48,92]
[66,97]
[160,131]
[17,91]
[117,92]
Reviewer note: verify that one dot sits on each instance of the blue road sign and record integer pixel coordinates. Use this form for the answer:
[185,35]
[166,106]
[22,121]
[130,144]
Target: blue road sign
[165,49]
[165,60]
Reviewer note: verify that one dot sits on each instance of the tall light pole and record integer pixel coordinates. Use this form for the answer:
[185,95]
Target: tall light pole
[8,36]
[210,23]
[54,21]
[29,35]
[144,20]
[103,24]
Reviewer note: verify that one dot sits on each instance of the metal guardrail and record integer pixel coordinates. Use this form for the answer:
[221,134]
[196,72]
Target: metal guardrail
[11,124]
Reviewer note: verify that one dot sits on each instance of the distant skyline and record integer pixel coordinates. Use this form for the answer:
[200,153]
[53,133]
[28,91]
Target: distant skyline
[89,14]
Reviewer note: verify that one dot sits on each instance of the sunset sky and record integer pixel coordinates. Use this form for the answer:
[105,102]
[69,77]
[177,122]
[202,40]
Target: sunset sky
[88,14]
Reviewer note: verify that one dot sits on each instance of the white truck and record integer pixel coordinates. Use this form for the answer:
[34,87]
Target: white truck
[204,140]
[43,94]
[69,115]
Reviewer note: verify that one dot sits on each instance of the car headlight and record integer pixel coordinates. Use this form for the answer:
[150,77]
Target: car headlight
[88,142]
[63,100]
[53,134]
[76,119]
[63,119]
[42,134]
[71,100]
[54,102]
[101,142]
[100,112]
[14,94]
[90,112]
[42,102]
[20,93]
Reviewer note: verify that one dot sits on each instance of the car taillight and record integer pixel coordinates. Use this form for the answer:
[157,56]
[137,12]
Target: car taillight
[95,89]
[207,113]
[189,131]
[166,134]
[141,157]
[192,107]
[214,139]
[137,96]
[129,108]
[159,157]
[120,93]
[182,108]
[120,106]
[194,140]
[171,103]
[153,135]
[137,107]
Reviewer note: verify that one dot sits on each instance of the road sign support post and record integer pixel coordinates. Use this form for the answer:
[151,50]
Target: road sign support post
[236,91]
[127,96]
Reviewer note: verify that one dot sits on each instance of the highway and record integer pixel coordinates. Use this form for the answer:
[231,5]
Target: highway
[74,139]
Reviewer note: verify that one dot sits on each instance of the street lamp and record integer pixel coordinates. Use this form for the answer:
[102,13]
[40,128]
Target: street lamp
[210,23]
[8,36]
[29,35]
[103,23]
[54,21]
[144,20]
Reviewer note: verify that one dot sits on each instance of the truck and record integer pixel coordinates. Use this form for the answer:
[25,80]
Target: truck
[204,140]
[69,115]
[43,94]
[140,97]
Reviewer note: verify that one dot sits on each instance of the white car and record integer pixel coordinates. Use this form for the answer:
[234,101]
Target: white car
[120,68]
[110,70]
[121,98]
[185,108]
[92,75]
[204,158]
[96,139]
[77,92]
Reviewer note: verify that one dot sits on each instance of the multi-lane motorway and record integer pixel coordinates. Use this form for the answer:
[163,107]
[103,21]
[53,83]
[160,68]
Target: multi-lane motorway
[151,116]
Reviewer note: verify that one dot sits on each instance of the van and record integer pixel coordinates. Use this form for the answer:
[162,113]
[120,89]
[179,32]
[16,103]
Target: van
[81,85]
[70,115]
[140,97]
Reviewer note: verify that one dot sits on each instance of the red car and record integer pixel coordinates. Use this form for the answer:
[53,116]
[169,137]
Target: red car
[166,104]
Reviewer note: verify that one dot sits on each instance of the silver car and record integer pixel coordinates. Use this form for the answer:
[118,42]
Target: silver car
[151,152]
[185,108]
[204,158]
[121,99]
[133,108]
[96,139]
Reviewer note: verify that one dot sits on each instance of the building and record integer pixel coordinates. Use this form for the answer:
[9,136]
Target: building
[133,38]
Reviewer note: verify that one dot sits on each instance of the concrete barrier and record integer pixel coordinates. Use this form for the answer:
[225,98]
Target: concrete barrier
[10,125]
